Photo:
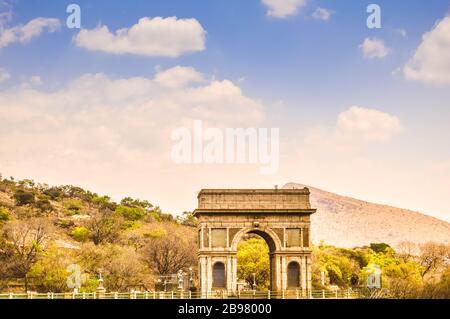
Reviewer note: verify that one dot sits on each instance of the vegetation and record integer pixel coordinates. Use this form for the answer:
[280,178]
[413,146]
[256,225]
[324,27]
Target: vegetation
[253,262]
[47,231]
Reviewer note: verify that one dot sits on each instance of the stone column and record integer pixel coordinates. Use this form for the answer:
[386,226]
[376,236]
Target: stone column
[303,273]
[309,272]
[283,272]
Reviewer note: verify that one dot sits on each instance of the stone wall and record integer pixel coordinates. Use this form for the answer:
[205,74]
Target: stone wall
[290,199]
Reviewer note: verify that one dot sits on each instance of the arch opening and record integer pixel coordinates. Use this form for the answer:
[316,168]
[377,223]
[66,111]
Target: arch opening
[254,271]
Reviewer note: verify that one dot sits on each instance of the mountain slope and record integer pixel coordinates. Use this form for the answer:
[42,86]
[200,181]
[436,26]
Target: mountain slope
[349,222]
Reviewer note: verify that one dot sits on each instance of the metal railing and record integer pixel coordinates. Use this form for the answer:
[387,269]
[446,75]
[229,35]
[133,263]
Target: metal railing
[284,294]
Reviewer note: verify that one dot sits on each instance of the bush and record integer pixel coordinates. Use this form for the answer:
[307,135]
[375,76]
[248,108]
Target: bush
[73,206]
[80,234]
[43,204]
[4,215]
[23,197]
[130,213]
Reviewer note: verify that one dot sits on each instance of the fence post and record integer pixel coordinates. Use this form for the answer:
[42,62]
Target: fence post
[323,294]
[336,294]
[348,294]
[11,295]
[296,294]
[282,294]
[172,295]
[268,294]
[190,294]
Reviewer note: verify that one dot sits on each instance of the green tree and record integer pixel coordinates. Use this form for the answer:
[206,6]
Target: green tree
[253,258]
[49,273]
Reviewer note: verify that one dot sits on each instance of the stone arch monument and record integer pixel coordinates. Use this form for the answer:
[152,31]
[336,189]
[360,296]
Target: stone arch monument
[280,216]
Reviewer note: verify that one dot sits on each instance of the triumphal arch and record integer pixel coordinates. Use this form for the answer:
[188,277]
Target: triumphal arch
[280,216]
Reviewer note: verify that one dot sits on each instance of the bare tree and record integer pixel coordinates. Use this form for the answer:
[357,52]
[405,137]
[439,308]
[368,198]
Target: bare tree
[23,241]
[433,257]
[104,226]
[169,254]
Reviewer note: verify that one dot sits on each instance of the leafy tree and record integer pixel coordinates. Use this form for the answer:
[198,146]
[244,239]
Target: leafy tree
[253,258]
[49,273]
[379,247]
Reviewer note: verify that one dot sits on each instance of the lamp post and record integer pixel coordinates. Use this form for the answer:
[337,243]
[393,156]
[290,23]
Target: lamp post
[190,278]
[254,281]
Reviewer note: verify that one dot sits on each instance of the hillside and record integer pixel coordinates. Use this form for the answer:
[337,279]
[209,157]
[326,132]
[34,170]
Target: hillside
[349,222]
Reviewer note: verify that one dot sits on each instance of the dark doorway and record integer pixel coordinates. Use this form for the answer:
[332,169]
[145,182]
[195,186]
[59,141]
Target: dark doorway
[293,275]
[219,278]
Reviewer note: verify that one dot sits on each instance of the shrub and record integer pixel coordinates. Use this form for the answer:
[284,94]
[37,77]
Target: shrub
[130,213]
[73,206]
[23,197]
[80,234]
[4,215]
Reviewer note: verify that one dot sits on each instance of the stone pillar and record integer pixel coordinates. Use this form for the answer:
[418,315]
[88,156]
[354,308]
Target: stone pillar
[283,272]
[203,275]
[303,273]
[278,272]
[309,272]
[209,274]
[229,273]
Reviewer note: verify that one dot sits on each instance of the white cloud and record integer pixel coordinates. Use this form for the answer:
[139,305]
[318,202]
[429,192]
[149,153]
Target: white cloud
[355,129]
[178,77]
[24,33]
[4,75]
[374,48]
[431,61]
[104,133]
[104,121]
[322,14]
[369,124]
[149,37]
[283,8]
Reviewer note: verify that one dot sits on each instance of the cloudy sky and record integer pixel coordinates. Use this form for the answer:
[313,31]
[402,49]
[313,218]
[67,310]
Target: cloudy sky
[362,112]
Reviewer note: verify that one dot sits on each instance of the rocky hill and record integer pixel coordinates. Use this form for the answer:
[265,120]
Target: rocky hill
[349,222]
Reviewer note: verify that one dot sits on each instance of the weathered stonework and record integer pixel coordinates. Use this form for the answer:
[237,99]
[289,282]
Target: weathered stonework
[271,213]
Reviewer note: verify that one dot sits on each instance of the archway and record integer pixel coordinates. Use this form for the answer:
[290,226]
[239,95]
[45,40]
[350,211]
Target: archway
[253,263]
[280,217]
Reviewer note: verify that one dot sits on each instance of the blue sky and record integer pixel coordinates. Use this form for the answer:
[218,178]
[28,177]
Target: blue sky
[304,72]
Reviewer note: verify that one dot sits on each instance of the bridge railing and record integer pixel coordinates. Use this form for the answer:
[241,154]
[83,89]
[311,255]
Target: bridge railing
[284,294]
